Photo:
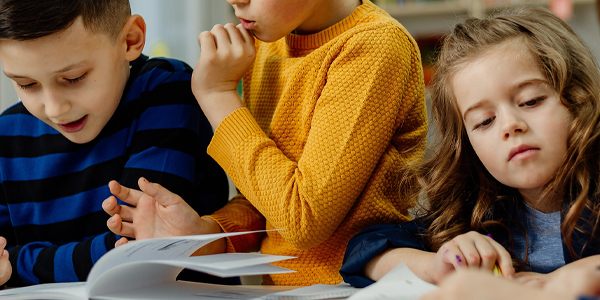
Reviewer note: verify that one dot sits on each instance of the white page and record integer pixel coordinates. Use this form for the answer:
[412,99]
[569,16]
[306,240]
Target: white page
[183,290]
[65,290]
[154,249]
[399,284]
[151,272]
[315,292]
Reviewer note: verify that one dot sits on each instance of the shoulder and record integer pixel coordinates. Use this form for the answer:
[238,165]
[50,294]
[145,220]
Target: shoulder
[17,120]
[162,80]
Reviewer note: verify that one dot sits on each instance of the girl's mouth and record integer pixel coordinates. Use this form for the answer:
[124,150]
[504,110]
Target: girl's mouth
[74,126]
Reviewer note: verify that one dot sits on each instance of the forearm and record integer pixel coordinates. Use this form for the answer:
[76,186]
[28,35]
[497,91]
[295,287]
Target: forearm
[416,260]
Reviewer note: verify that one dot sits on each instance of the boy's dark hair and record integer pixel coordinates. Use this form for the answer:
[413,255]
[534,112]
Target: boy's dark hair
[31,19]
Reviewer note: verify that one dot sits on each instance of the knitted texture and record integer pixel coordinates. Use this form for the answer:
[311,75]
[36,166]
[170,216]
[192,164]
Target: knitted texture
[329,120]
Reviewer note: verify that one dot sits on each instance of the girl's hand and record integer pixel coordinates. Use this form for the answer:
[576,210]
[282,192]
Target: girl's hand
[5,266]
[470,250]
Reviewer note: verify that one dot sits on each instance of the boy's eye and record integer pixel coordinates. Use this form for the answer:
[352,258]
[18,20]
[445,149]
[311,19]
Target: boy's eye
[74,80]
[533,101]
[26,86]
[485,123]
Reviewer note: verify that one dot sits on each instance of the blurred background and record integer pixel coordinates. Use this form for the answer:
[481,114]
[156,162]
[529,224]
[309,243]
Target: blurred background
[173,26]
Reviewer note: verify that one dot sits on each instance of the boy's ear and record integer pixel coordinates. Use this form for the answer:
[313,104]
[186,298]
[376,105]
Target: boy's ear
[134,37]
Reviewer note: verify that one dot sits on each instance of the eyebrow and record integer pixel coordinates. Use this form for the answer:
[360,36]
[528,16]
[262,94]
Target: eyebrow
[517,87]
[65,69]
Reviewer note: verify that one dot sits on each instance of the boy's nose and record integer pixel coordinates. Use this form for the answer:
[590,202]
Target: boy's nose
[55,106]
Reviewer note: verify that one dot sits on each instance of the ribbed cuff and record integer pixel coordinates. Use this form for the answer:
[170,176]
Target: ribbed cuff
[233,130]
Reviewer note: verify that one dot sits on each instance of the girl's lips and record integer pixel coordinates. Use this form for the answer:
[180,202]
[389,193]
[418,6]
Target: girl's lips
[74,126]
[247,24]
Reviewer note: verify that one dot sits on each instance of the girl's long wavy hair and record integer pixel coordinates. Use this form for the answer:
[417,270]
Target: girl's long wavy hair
[462,195]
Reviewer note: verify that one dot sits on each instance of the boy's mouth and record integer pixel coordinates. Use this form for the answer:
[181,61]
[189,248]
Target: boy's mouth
[247,24]
[74,126]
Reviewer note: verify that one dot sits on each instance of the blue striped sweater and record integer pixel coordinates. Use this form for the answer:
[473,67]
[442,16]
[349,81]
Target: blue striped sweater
[51,189]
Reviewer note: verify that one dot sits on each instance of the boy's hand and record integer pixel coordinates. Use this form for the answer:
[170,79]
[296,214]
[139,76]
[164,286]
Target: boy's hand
[155,212]
[5,266]
[470,250]
[227,52]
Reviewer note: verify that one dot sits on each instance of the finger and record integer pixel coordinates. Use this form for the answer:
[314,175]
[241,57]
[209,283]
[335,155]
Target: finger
[487,253]
[504,260]
[246,34]
[111,206]
[235,36]
[5,267]
[208,44]
[453,256]
[122,241]
[116,225]
[126,194]
[2,242]
[159,193]
[470,253]
[221,35]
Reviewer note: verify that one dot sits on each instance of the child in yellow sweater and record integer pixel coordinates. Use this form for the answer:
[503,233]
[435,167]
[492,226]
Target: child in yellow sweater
[333,107]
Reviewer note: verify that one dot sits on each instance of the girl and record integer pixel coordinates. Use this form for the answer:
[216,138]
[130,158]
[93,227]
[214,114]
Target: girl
[515,102]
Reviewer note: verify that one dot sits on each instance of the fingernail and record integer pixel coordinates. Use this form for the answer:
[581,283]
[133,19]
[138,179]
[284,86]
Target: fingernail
[111,220]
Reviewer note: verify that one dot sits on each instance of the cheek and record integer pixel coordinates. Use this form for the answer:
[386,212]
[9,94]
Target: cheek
[486,152]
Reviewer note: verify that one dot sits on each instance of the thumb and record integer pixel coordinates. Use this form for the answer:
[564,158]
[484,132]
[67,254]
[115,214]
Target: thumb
[159,193]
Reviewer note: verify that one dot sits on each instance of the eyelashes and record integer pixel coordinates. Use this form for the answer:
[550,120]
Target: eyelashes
[68,80]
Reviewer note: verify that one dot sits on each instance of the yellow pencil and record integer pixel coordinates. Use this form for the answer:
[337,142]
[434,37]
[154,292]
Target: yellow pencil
[497,271]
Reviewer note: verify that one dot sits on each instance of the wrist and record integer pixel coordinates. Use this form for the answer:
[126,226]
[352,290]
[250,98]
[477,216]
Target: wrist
[209,226]
[218,105]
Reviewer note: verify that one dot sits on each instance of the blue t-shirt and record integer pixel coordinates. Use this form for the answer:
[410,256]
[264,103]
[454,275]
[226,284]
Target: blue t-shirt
[544,237]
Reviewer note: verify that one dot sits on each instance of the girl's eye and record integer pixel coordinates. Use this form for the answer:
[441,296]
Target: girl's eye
[485,123]
[534,101]
[75,80]
[26,86]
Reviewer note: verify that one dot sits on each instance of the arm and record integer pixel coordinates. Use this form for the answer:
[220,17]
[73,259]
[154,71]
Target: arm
[542,280]
[310,195]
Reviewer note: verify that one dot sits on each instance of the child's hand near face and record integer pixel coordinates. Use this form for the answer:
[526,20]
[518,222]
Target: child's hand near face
[470,250]
[5,266]
[227,52]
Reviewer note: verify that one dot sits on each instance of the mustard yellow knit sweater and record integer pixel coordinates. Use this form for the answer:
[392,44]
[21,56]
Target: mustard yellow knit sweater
[329,119]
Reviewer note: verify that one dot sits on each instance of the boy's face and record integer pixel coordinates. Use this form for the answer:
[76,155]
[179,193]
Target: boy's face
[72,80]
[270,20]
[515,120]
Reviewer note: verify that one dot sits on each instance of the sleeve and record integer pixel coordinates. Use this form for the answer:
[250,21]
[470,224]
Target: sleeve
[352,126]
[373,241]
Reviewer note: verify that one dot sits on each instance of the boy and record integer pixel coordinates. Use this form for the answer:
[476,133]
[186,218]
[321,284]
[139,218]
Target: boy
[92,109]
[334,108]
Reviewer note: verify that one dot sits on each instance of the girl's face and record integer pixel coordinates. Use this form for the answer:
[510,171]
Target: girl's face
[514,119]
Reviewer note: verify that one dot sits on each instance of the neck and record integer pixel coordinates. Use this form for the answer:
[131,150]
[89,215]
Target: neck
[543,202]
[327,14]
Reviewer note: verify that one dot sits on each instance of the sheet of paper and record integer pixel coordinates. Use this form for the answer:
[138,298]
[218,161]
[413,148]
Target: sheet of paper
[399,284]
[66,290]
[315,292]
[153,249]
[183,290]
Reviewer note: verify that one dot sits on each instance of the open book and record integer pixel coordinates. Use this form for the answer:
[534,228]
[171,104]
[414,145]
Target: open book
[151,264]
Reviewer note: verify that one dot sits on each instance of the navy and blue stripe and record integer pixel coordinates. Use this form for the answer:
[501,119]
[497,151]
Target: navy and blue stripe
[51,189]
